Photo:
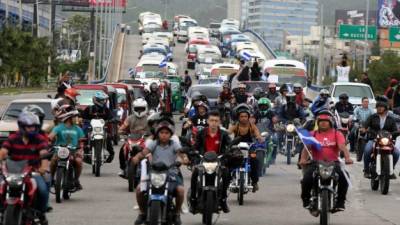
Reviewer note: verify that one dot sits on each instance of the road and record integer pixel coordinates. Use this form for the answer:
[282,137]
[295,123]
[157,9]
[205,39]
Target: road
[106,200]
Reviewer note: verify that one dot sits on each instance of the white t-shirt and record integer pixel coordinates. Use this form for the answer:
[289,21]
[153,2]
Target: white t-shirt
[343,73]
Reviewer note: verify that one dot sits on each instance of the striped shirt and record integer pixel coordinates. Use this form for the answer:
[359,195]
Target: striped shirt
[18,150]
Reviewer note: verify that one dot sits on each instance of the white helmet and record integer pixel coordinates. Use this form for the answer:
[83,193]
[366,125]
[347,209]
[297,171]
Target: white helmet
[140,107]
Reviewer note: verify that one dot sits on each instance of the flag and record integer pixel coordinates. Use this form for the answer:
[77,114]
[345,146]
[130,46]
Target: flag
[246,56]
[307,139]
[163,63]
[131,71]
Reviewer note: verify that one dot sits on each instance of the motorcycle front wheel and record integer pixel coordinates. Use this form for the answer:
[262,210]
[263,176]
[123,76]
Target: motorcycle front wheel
[155,213]
[241,188]
[12,215]
[385,177]
[131,174]
[325,208]
[288,152]
[98,148]
[209,209]
[58,186]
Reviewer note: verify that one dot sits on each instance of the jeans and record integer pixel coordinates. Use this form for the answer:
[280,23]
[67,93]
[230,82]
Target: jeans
[42,194]
[368,151]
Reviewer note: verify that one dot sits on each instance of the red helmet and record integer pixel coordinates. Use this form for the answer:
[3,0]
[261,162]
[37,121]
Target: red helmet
[71,93]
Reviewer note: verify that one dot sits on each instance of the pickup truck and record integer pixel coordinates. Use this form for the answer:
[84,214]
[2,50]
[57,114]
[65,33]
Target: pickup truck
[356,92]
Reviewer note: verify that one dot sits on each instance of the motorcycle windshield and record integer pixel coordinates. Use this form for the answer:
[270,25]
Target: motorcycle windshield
[16,166]
[135,136]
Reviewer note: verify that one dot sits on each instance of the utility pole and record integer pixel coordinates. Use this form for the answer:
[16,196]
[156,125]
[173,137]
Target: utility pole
[92,67]
[7,11]
[100,59]
[37,19]
[20,13]
[321,48]
[50,39]
[366,46]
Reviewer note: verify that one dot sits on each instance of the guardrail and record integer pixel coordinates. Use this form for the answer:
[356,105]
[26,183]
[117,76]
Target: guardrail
[266,45]
[103,79]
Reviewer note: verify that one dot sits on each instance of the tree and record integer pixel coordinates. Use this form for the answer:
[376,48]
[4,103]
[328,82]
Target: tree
[382,70]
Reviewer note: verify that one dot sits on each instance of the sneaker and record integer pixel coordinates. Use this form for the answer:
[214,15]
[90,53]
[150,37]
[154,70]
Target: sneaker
[255,187]
[393,177]
[367,175]
[141,219]
[306,204]
[110,158]
[192,207]
[78,185]
[177,219]
[49,209]
[122,174]
[43,220]
[339,206]
[224,206]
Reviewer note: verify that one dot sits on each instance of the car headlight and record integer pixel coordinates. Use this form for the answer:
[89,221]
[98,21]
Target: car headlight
[290,128]
[325,171]
[158,179]
[345,120]
[384,141]
[210,167]
[63,153]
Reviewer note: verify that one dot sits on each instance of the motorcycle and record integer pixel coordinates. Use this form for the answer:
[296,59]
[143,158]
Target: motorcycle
[361,141]
[160,204]
[291,142]
[98,138]
[17,192]
[381,167]
[134,144]
[263,154]
[210,182]
[65,174]
[240,183]
[324,192]
[226,114]
[344,123]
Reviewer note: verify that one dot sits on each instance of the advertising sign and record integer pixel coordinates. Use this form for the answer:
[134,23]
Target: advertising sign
[388,13]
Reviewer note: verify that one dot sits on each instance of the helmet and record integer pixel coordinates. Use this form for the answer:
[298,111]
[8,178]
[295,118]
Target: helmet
[28,119]
[324,92]
[291,97]
[382,101]
[284,88]
[242,108]
[257,92]
[242,85]
[65,112]
[393,82]
[203,104]
[297,87]
[35,109]
[56,103]
[153,87]
[196,96]
[165,125]
[325,115]
[100,98]
[71,93]
[226,85]
[264,104]
[343,96]
[140,107]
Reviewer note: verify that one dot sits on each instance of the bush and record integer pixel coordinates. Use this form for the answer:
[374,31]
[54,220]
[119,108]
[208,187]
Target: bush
[382,70]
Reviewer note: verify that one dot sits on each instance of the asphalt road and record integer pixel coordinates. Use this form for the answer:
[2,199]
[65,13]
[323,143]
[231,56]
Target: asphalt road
[106,200]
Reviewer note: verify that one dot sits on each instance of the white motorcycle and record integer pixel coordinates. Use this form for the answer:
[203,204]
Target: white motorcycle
[98,137]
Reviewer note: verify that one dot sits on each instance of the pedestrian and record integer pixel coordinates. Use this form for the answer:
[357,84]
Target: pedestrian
[187,80]
[244,74]
[255,72]
[365,79]
[343,71]
[63,84]
[396,98]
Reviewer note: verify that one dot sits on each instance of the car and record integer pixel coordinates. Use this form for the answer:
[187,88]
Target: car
[211,91]
[355,91]
[229,44]
[208,54]
[247,45]
[157,48]
[251,85]
[150,62]
[223,70]
[8,121]
[209,80]
[167,35]
[198,32]
[196,41]
[213,29]
[164,42]
[203,71]
[147,20]
[230,23]
[182,30]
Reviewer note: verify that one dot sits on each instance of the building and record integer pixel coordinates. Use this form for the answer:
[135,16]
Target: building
[275,19]
[234,9]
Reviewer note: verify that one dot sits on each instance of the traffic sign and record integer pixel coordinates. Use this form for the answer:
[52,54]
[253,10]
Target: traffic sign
[356,32]
[394,34]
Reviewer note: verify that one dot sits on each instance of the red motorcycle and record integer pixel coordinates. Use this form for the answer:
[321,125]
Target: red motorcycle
[17,193]
[134,144]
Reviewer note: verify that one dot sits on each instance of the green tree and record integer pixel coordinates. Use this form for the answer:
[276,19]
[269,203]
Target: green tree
[382,70]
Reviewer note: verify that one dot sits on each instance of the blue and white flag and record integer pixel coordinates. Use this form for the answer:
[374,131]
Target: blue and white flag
[307,139]
[131,71]
[246,56]
[163,63]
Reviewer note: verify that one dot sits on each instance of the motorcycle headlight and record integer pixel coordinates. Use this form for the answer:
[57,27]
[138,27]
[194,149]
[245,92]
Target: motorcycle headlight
[325,171]
[63,153]
[210,167]
[345,120]
[384,141]
[14,180]
[158,179]
[98,130]
[290,128]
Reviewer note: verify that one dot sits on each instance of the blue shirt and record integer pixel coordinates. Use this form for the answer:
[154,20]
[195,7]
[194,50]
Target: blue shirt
[68,136]
[362,114]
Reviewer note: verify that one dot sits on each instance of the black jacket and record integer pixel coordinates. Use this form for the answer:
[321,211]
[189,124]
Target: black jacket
[373,125]
[223,142]
[348,107]
[90,113]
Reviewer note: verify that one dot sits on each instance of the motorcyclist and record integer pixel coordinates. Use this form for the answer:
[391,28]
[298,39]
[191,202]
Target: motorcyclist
[300,96]
[96,111]
[332,142]
[290,110]
[281,99]
[28,144]
[344,105]
[247,131]
[216,140]
[240,96]
[63,84]
[153,97]
[361,115]
[322,102]
[163,150]
[381,120]
[272,93]
[190,108]
[226,94]
[201,116]
[68,134]
[134,124]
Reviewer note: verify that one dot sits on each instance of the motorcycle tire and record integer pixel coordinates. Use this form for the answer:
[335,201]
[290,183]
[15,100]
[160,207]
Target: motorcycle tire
[131,177]
[59,185]
[288,153]
[209,209]
[385,177]
[69,183]
[260,155]
[325,208]
[155,213]
[374,180]
[13,215]
[241,188]
[360,149]
[98,148]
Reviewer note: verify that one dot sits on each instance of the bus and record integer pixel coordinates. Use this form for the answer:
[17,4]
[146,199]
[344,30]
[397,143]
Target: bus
[287,71]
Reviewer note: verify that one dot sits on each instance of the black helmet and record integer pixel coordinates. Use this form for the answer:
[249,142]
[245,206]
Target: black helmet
[382,101]
[291,97]
[284,88]
[242,108]
[165,125]
[344,96]
[257,93]
[153,87]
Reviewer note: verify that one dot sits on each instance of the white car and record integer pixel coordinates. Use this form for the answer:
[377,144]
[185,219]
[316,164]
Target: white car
[183,26]
[355,91]
[230,23]
[198,32]
[167,35]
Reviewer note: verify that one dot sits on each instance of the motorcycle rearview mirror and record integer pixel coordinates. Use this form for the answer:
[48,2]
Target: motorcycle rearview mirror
[49,96]
[235,141]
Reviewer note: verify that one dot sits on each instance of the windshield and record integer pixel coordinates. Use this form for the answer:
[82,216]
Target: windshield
[151,29]
[150,67]
[158,50]
[15,109]
[150,75]
[209,58]
[208,81]
[284,79]
[215,26]
[192,48]
[251,86]
[223,71]
[353,91]
[138,93]
[86,96]
[211,92]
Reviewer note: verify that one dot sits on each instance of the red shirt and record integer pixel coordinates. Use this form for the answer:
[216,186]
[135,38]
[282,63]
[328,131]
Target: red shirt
[18,150]
[330,140]
[212,143]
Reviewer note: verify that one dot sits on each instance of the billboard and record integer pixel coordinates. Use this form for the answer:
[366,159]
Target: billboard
[354,17]
[388,13]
